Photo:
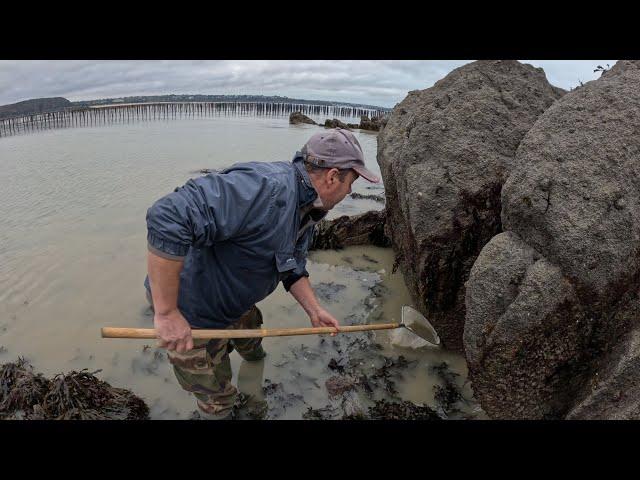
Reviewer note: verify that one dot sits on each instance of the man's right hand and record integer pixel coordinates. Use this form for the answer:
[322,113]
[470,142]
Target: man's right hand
[173,331]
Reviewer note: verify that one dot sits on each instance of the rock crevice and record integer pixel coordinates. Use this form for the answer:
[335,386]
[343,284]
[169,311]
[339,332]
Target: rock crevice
[444,154]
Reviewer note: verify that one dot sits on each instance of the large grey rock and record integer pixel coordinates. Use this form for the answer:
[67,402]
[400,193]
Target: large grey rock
[575,194]
[523,323]
[550,300]
[444,154]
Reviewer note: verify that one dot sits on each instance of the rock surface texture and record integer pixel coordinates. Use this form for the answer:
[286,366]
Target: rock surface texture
[444,154]
[552,303]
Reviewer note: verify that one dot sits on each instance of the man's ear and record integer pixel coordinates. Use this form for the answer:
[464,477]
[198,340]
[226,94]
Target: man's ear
[332,175]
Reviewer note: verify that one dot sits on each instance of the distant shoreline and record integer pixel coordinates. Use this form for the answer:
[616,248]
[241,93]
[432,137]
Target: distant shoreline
[40,106]
[220,99]
[116,104]
[94,115]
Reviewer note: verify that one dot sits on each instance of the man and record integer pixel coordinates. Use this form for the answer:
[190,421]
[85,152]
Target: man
[223,242]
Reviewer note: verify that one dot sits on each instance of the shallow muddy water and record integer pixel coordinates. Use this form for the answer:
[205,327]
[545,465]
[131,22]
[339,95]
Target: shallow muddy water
[73,259]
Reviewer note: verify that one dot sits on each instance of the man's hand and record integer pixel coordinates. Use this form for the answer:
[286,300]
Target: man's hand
[173,331]
[303,293]
[322,318]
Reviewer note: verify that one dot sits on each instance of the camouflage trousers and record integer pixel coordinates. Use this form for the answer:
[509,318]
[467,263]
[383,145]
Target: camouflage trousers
[205,370]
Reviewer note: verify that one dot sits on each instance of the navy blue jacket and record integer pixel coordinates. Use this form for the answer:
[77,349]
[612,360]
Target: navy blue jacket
[237,233]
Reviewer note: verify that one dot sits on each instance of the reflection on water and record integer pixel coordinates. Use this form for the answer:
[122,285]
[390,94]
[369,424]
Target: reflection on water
[73,251]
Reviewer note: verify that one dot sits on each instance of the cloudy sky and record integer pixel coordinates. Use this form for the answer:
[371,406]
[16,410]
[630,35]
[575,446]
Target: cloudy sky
[374,82]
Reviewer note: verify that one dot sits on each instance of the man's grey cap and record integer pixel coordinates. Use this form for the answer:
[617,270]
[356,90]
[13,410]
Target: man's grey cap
[338,148]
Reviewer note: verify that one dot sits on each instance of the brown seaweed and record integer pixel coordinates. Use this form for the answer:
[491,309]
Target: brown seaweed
[76,395]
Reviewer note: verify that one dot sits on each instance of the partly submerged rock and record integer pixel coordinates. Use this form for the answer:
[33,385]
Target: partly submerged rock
[374,123]
[298,117]
[335,123]
[365,229]
[444,154]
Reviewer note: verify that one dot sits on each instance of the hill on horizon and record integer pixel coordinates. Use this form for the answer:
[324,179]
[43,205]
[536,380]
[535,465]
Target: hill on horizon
[34,106]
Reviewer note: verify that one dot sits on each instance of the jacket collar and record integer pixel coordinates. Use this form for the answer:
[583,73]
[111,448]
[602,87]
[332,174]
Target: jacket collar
[306,193]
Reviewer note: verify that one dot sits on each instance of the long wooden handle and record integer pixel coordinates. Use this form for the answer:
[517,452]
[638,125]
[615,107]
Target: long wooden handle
[115,332]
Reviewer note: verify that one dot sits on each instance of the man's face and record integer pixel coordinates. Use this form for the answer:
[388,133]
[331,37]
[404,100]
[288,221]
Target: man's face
[332,189]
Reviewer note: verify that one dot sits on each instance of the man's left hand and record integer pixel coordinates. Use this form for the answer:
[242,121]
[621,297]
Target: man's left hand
[322,318]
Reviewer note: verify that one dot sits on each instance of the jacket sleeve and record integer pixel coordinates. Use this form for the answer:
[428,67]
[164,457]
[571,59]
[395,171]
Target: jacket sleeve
[208,209]
[301,261]
[294,276]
